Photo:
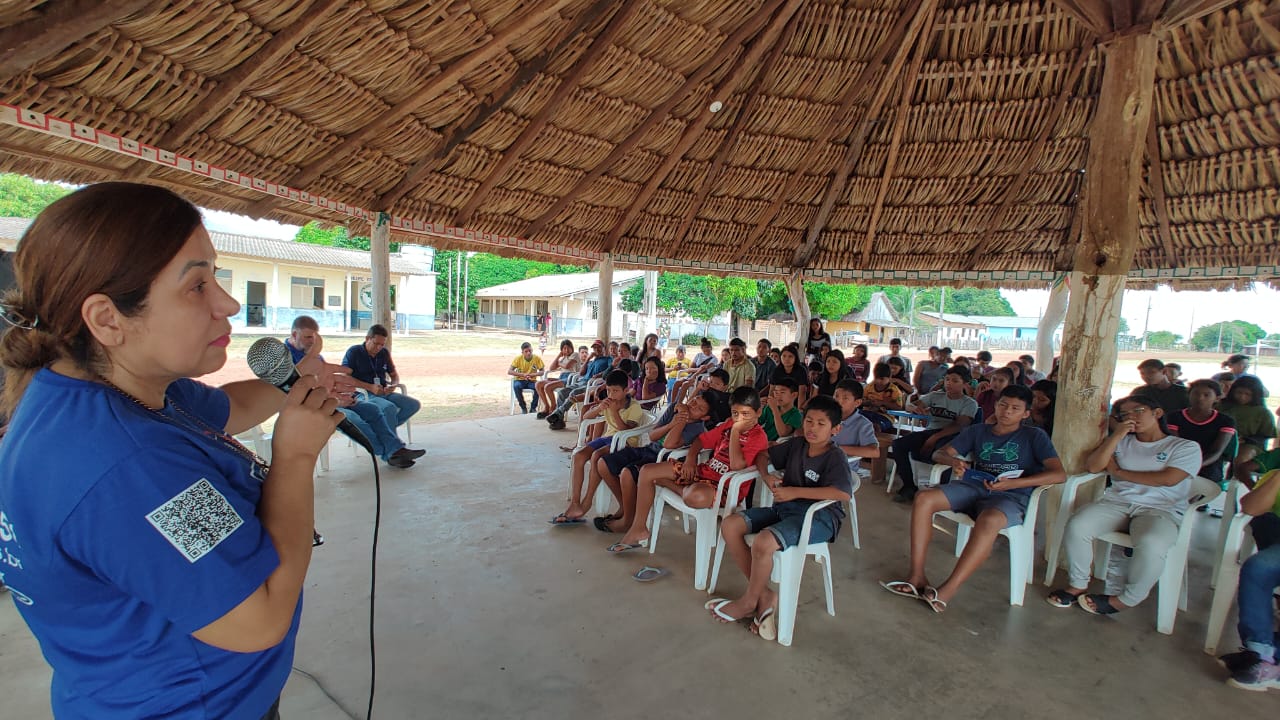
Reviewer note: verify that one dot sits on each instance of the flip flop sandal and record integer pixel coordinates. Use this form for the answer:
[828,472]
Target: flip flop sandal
[620,547]
[648,574]
[712,603]
[766,626]
[930,596]
[1061,598]
[602,524]
[715,610]
[1101,604]
[563,519]
[901,588]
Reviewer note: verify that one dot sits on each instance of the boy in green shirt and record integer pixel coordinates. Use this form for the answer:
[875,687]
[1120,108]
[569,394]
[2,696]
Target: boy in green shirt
[780,417]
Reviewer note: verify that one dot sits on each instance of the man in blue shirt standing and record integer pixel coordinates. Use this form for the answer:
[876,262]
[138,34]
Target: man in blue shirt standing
[371,366]
[373,421]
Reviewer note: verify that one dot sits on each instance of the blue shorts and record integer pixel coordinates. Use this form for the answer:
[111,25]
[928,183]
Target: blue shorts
[600,442]
[630,457]
[786,520]
[971,499]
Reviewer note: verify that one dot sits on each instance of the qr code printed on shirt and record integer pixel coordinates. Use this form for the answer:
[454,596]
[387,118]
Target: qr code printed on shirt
[195,520]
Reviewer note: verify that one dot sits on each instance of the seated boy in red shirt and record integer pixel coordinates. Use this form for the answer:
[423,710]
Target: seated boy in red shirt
[736,443]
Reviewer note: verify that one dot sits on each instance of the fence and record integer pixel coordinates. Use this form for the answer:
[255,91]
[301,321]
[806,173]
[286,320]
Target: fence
[560,327]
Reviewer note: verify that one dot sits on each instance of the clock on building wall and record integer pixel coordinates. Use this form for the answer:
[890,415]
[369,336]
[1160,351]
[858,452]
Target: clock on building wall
[366,296]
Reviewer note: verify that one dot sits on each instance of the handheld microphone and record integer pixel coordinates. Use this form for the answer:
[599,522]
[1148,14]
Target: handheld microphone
[270,360]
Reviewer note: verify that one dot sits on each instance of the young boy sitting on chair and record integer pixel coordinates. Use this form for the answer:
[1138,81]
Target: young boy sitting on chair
[736,442]
[620,412]
[810,468]
[780,417]
[1010,460]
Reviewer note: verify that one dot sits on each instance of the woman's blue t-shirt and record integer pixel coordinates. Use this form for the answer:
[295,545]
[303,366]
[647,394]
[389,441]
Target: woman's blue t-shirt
[121,534]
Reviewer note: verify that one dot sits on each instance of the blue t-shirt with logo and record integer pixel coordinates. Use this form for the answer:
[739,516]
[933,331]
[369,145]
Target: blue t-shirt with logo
[121,534]
[1024,449]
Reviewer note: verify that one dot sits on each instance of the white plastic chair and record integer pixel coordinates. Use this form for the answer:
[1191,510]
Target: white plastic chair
[408,424]
[261,442]
[788,571]
[706,520]
[1171,588]
[1022,538]
[1237,547]
[602,503]
[1230,506]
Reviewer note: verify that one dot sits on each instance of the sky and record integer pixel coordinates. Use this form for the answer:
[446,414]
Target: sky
[1178,312]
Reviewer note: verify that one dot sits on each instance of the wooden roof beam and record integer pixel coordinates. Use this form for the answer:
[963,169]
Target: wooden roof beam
[1093,14]
[1014,188]
[917,35]
[1181,12]
[462,130]
[568,84]
[746,62]
[892,41]
[445,79]
[731,44]
[730,141]
[895,144]
[1155,180]
[58,24]
[232,83]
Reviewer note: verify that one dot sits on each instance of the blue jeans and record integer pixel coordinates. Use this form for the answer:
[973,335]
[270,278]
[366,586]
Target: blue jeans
[1258,580]
[518,387]
[374,422]
[405,406]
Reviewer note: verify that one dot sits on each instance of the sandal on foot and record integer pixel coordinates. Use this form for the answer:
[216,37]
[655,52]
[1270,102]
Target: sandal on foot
[563,519]
[1101,604]
[649,574]
[620,547]
[720,614]
[766,625]
[901,588]
[1062,598]
[930,596]
[602,524]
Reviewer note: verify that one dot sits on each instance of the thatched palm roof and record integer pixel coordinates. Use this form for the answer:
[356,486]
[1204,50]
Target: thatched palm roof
[864,139]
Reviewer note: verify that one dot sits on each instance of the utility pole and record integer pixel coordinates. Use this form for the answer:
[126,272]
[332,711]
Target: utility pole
[911,314]
[1220,336]
[449,294]
[1145,323]
[942,322]
[466,292]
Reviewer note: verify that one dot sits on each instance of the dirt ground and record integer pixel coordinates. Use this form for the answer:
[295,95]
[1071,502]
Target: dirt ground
[461,375]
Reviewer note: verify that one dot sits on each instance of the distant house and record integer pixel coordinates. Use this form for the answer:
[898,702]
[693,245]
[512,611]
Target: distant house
[987,330]
[955,328]
[573,301]
[879,321]
[278,280]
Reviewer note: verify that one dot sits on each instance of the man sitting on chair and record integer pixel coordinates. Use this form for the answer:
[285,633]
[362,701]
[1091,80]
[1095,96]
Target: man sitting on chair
[371,366]
[371,420]
[525,370]
[1009,460]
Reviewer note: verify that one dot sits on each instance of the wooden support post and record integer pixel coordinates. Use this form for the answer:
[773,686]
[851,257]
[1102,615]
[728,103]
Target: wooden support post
[1107,246]
[380,264]
[800,302]
[604,311]
[1054,313]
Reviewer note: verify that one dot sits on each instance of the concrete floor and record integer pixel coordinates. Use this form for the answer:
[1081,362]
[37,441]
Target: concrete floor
[485,611]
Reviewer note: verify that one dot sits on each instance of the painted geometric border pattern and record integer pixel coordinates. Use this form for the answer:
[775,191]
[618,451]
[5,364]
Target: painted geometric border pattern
[68,130]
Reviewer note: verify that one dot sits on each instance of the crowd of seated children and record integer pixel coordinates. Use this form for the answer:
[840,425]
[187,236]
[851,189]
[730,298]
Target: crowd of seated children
[678,427]
[900,376]
[790,366]
[859,365]
[764,365]
[703,363]
[1029,367]
[950,410]
[678,368]
[735,443]
[895,351]
[1255,425]
[997,381]
[981,366]
[1044,402]
[1151,473]
[574,390]
[833,371]
[810,468]
[1201,423]
[620,412]
[742,373]
[651,386]
[1156,386]
[818,343]
[856,435]
[526,369]
[880,396]
[1019,373]
[780,417]
[929,372]
[567,362]
[648,348]
[1007,460]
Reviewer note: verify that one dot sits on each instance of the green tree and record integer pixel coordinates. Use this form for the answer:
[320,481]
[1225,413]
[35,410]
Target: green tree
[314,234]
[701,297]
[486,270]
[21,196]
[1234,334]
[1124,326]
[1162,339]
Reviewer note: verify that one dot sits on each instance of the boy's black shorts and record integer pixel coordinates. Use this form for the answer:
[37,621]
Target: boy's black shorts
[630,457]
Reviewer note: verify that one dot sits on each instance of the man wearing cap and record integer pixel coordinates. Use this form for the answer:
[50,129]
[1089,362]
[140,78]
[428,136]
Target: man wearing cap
[526,369]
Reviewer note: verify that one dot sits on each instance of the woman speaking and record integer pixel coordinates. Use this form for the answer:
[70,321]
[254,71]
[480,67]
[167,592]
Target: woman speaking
[158,561]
